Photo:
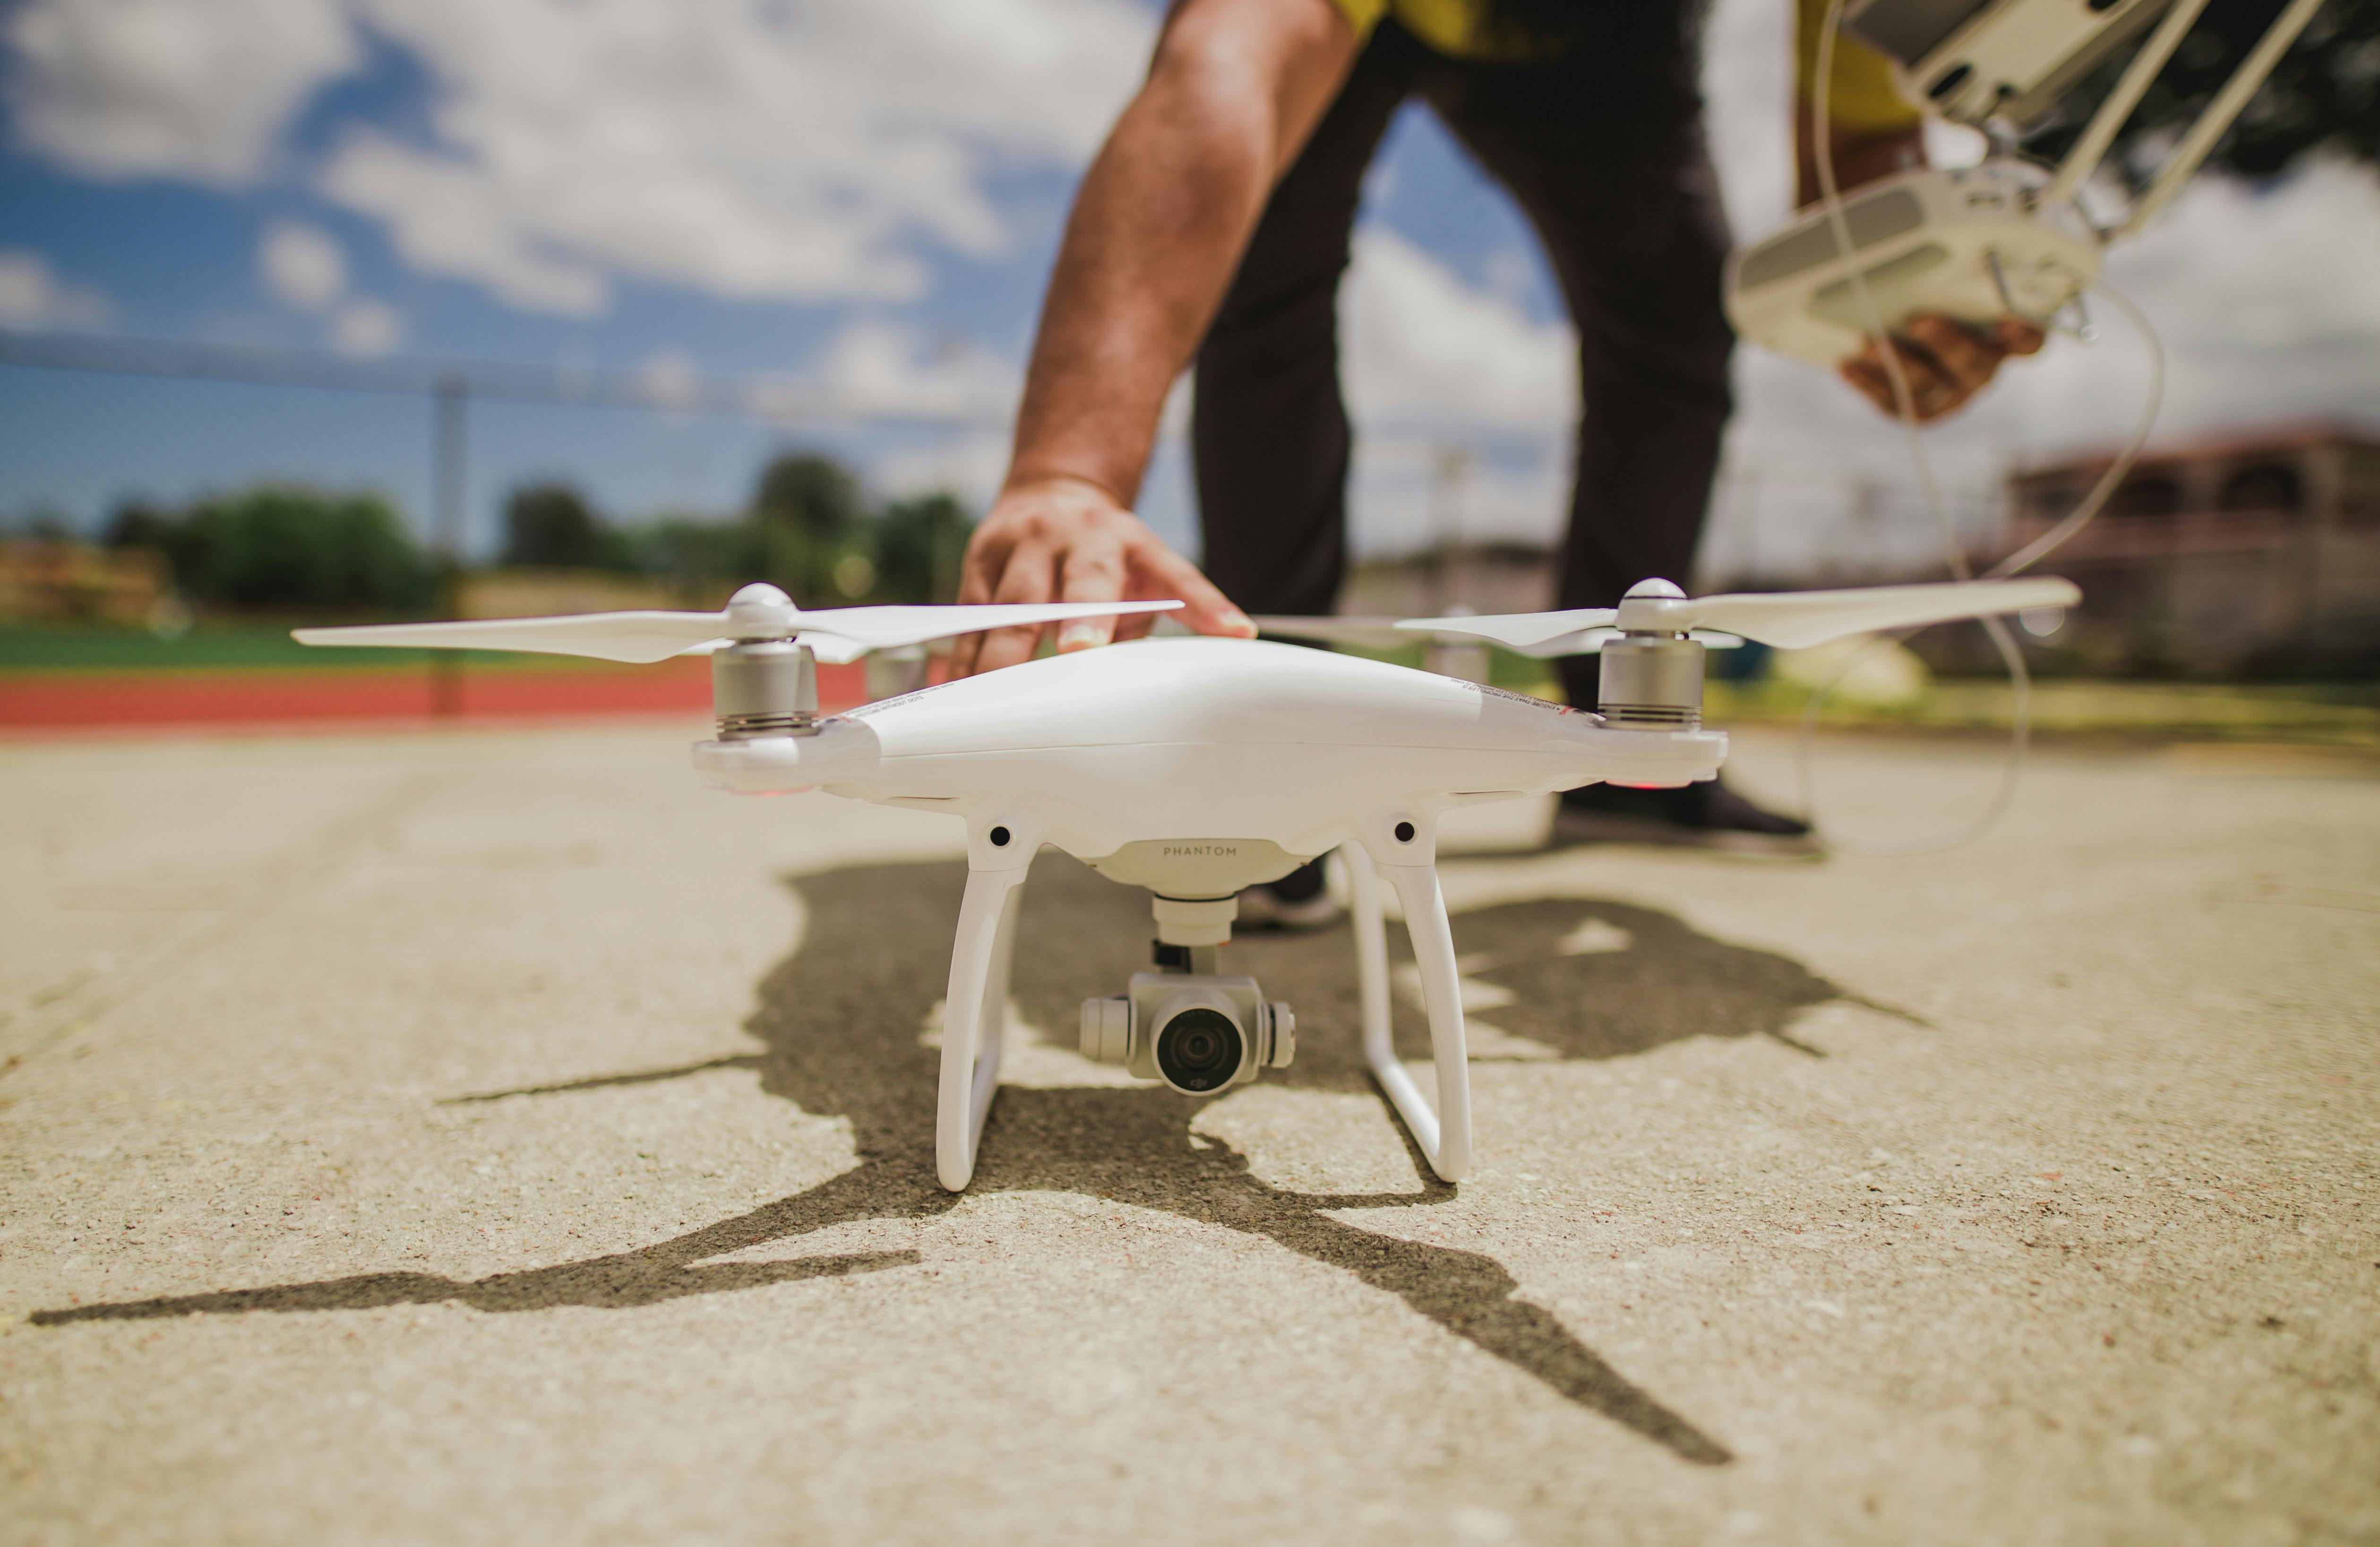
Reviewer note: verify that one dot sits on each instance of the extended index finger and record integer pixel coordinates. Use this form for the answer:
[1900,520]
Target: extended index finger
[1163,572]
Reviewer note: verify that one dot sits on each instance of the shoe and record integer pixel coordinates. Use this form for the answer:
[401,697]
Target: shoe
[1300,900]
[1708,815]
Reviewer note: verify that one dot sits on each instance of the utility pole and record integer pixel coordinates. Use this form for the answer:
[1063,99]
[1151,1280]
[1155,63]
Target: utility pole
[1450,469]
[449,401]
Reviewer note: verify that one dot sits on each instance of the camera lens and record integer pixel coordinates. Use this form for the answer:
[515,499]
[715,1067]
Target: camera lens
[1200,1050]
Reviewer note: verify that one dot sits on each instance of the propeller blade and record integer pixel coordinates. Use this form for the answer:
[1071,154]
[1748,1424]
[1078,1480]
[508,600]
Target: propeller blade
[832,650]
[1590,641]
[882,627]
[1518,630]
[1790,620]
[837,635]
[637,637]
[1796,620]
[1378,633]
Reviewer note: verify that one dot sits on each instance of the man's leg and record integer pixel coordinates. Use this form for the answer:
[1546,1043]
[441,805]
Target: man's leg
[1605,150]
[1268,430]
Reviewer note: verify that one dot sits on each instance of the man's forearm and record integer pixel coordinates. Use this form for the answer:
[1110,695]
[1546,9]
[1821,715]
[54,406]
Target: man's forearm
[1158,227]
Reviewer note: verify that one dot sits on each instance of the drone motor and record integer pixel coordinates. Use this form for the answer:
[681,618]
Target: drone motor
[1651,678]
[764,688]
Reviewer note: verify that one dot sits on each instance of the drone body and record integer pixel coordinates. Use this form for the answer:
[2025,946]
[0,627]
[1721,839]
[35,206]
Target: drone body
[1181,740]
[1197,768]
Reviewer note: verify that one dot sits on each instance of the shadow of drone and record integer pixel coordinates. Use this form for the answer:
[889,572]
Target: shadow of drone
[840,1020]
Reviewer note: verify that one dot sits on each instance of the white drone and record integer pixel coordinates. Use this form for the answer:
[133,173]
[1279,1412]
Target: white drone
[1198,767]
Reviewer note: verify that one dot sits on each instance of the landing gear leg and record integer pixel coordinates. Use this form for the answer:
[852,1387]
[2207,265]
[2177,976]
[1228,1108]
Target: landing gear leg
[1443,1132]
[974,1008]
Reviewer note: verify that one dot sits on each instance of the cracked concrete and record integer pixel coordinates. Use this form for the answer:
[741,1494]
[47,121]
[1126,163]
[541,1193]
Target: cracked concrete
[489,1136]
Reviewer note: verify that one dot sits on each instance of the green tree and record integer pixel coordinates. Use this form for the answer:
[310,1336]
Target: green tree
[280,547]
[551,526]
[2324,95]
[138,524]
[807,516]
[698,558]
[918,544]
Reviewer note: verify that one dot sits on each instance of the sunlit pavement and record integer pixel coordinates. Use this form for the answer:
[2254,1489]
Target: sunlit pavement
[496,1137]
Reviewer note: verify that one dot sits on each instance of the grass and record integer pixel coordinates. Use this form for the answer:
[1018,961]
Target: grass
[214,646]
[2328,713]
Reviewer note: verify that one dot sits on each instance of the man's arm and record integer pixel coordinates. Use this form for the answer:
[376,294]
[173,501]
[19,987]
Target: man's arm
[1157,232]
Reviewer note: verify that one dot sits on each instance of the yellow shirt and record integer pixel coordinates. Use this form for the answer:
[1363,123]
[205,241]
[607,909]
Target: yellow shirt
[1861,95]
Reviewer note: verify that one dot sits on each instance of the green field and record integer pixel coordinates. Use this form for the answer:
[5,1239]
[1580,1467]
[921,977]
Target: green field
[2328,713]
[210,646]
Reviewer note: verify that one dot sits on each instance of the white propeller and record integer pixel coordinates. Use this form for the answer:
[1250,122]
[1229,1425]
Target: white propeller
[1387,633]
[1790,620]
[1379,633]
[757,612]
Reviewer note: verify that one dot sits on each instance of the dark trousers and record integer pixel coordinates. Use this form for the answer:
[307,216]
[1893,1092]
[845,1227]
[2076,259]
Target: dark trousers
[1604,151]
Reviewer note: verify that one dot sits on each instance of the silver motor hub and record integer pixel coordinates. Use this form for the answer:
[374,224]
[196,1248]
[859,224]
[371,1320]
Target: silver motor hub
[1651,678]
[764,688]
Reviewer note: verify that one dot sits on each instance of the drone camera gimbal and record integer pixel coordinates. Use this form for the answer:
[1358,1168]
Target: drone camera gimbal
[1199,1032]
[1186,1023]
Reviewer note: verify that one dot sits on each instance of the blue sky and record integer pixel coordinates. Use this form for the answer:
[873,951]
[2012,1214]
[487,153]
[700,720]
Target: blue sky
[866,195]
[140,237]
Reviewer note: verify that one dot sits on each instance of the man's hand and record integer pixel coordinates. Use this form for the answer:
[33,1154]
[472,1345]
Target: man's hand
[1946,362]
[1067,539]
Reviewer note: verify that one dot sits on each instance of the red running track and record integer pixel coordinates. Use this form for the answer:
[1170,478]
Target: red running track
[66,701]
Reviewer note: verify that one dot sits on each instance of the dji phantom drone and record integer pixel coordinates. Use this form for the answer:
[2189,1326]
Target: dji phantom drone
[1198,767]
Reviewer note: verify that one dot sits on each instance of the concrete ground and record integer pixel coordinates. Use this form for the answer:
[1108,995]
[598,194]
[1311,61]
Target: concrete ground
[495,1137]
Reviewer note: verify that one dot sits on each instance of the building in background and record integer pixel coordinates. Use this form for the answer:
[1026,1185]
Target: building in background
[1490,578]
[2249,553]
[56,579]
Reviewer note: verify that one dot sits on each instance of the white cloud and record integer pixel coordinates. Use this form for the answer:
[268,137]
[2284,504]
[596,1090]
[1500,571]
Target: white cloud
[1422,346]
[738,147]
[303,265]
[444,218]
[169,87]
[32,296]
[971,465]
[669,378]
[879,369]
[365,326]
[2234,266]
[744,148]
[1432,364]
